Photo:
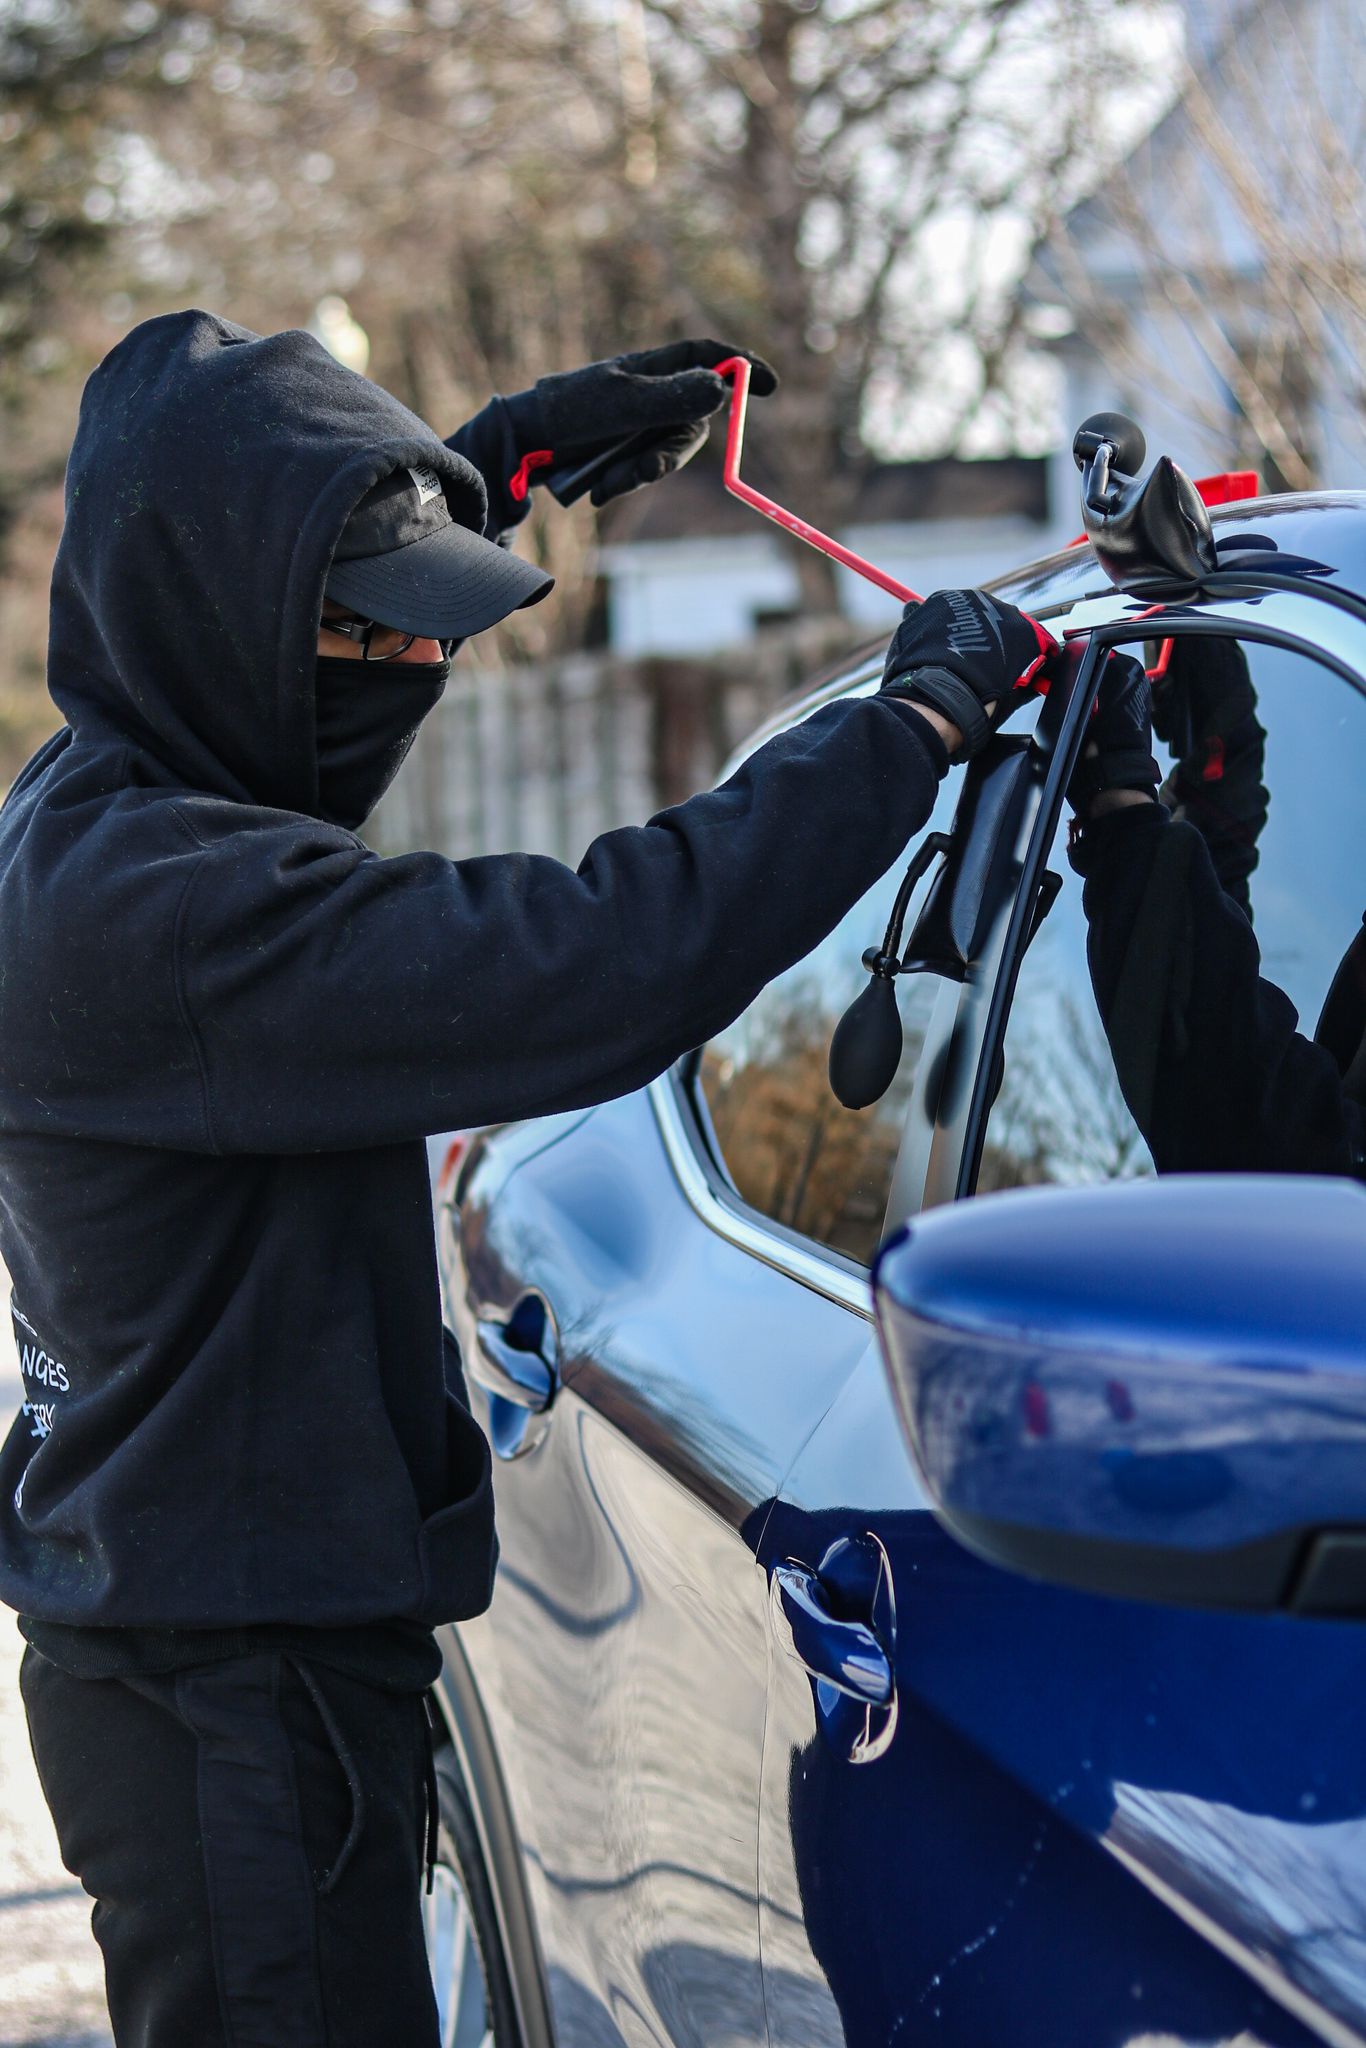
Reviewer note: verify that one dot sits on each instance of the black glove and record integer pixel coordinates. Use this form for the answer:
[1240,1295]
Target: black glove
[961,651]
[657,399]
[1206,709]
[1117,752]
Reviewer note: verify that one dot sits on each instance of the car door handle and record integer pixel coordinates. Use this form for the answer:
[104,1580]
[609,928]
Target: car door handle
[845,1654]
[511,1362]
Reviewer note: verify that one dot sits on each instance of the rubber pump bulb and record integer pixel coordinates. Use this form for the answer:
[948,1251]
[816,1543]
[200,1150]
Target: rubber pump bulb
[865,1051]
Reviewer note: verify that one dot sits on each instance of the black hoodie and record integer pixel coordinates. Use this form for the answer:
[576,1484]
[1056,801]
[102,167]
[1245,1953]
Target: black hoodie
[227,1026]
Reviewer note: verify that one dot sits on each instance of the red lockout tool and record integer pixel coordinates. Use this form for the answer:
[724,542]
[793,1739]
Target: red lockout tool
[738,369]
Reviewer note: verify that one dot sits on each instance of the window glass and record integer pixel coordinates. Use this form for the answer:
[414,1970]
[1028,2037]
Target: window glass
[792,1151]
[1192,1039]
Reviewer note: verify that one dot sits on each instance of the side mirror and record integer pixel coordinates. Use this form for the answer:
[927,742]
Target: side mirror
[1153,1391]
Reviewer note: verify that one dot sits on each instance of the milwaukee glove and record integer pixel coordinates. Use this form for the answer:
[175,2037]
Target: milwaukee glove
[1117,752]
[969,657]
[658,400]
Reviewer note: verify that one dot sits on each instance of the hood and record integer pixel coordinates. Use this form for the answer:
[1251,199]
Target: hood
[212,472]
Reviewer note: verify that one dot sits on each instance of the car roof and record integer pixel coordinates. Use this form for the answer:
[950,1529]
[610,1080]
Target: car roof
[1326,527]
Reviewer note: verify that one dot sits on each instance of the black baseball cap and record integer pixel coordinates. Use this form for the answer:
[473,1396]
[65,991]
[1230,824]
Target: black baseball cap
[403,560]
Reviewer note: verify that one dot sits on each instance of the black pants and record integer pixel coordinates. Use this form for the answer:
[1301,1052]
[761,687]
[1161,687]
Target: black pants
[252,1833]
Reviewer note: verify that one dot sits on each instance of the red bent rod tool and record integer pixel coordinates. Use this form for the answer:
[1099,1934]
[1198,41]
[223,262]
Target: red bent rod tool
[738,368]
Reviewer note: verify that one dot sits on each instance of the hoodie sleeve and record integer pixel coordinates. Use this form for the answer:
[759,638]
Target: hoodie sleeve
[1216,1074]
[495,441]
[338,1000]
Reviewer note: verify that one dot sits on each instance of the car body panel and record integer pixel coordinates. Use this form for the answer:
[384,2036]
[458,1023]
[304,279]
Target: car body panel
[1098,1826]
[629,1618]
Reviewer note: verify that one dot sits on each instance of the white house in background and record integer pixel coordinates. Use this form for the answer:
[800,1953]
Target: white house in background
[688,569]
[1172,303]
[1165,297]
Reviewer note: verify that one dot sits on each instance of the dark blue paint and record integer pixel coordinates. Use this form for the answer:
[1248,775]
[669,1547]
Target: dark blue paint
[1052,1749]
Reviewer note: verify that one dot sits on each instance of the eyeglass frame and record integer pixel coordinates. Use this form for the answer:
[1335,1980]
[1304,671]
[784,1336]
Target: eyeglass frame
[353,626]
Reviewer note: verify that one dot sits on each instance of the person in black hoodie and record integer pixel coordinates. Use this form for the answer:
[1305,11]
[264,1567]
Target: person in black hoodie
[246,1486]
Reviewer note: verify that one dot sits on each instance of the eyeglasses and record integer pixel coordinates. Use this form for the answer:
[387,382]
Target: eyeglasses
[376,642]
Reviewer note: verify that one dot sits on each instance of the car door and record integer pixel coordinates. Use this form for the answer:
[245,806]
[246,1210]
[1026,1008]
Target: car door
[689,1265]
[1071,1819]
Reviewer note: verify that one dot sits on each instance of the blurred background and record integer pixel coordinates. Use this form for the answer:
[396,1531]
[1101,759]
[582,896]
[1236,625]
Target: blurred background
[955,226]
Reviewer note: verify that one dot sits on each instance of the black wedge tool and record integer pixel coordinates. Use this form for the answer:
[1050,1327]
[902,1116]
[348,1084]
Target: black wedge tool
[1149,534]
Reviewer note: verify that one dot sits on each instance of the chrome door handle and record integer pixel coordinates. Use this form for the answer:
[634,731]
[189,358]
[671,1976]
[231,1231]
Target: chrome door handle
[845,1654]
[518,1360]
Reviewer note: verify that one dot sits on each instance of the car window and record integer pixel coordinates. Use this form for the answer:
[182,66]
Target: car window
[1173,1046]
[790,1149]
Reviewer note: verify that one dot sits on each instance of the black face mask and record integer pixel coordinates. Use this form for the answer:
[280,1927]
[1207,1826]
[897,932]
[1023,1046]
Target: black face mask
[367,718]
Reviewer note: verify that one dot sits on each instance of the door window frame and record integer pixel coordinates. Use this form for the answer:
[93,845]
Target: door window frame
[1064,739]
[711,1193]
[684,1120]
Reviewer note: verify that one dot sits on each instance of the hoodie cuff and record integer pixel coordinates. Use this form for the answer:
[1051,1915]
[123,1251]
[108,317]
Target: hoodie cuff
[924,731]
[492,442]
[1117,834]
[527,415]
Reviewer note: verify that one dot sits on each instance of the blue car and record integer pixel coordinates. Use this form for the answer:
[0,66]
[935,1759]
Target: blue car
[977,1658]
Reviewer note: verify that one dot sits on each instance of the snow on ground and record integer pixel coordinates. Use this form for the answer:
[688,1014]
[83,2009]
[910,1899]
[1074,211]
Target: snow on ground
[51,1983]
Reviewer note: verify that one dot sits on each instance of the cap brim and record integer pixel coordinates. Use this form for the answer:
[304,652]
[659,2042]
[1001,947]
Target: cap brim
[445,587]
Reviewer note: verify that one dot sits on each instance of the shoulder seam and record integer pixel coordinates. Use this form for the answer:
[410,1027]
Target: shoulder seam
[188,829]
